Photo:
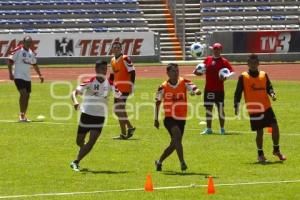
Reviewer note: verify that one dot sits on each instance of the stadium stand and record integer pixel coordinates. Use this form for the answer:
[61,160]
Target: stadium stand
[219,15]
[58,16]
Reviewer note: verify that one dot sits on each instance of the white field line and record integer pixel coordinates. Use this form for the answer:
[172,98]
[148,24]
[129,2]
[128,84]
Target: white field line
[142,189]
[113,125]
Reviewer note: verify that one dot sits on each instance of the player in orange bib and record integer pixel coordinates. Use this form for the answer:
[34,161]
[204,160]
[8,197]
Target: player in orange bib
[173,93]
[123,77]
[257,86]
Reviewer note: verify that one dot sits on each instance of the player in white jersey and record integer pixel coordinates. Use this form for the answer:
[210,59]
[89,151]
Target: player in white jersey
[93,110]
[19,63]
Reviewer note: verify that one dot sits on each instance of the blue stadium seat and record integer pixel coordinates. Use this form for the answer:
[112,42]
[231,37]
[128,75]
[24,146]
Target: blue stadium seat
[207,1]
[97,20]
[209,9]
[263,1]
[236,9]
[264,8]
[221,1]
[101,29]
[209,19]
[278,18]
[31,30]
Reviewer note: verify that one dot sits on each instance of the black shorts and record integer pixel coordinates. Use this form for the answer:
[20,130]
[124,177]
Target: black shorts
[22,84]
[262,120]
[89,122]
[170,122]
[211,98]
[123,97]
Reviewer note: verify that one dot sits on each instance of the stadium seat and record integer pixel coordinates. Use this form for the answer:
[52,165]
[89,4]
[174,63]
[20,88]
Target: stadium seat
[250,9]
[236,9]
[221,1]
[292,26]
[207,1]
[264,8]
[209,19]
[264,27]
[101,29]
[237,28]
[250,18]
[208,9]
[278,18]
[236,18]
[291,8]
[264,18]
[222,18]
[278,27]
[222,9]
[250,27]
[277,8]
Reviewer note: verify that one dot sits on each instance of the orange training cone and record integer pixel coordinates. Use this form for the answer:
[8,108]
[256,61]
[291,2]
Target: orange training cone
[270,130]
[210,186]
[149,185]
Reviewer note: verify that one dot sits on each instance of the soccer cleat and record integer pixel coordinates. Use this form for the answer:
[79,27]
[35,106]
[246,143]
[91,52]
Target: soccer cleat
[24,119]
[262,159]
[75,166]
[279,155]
[222,131]
[130,132]
[183,167]
[207,131]
[158,165]
[120,137]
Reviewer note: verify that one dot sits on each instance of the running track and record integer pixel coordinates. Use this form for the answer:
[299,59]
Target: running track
[289,72]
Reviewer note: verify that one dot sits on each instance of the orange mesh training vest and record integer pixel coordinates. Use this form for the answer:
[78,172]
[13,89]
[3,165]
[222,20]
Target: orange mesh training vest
[255,92]
[175,100]
[121,75]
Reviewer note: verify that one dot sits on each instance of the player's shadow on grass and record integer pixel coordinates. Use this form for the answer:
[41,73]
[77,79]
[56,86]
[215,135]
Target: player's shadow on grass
[267,163]
[87,170]
[176,173]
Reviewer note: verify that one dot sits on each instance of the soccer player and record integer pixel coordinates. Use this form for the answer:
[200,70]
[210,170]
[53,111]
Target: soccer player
[123,77]
[257,86]
[173,93]
[214,87]
[93,110]
[19,63]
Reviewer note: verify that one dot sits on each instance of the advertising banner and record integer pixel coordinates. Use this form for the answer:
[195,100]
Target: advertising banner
[266,42]
[81,44]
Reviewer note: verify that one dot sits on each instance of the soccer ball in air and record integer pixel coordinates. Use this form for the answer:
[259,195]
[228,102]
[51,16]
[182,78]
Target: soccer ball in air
[224,73]
[200,68]
[197,50]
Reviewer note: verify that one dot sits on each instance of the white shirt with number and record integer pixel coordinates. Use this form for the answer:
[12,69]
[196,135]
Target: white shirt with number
[95,96]
[23,59]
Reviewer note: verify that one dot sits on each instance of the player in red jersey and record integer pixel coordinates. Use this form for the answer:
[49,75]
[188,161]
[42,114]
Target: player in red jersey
[214,87]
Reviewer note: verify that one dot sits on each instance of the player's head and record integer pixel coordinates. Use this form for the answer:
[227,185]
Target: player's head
[27,41]
[172,71]
[101,68]
[217,49]
[253,62]
[116,48]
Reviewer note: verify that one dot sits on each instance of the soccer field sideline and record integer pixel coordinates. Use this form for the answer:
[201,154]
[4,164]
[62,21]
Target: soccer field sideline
[142,189]
[116,125]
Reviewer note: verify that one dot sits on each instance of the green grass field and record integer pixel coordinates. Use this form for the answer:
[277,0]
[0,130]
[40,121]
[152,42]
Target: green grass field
[35,157]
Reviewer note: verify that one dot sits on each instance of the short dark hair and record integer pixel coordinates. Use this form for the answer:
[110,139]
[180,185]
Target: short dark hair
[171,65]
[100,64]
[27,38]
[253,56]
[117,43]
